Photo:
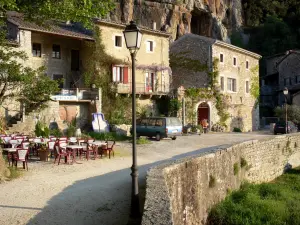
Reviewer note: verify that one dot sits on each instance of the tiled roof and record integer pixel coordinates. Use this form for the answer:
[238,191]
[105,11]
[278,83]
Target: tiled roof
[212,41]
[123,25]
[51,27]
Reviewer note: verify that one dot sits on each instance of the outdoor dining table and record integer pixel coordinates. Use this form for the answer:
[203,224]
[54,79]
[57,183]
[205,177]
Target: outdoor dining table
[74,149]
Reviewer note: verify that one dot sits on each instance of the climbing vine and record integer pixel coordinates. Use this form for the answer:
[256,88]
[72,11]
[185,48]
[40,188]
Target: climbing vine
[98,71]
[254,88]
[212,92]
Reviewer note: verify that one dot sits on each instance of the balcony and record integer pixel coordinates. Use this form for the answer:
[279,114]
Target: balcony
[144,89]
[76,94]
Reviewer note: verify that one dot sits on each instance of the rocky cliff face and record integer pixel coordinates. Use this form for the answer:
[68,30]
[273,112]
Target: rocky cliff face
[211,18]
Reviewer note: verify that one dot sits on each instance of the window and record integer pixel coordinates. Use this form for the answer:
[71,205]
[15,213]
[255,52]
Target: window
[221,58]
[60,79]
[287,81]
[231,84]
[247,86]
[36,50]
[234,61]
[222,83]
[297,80]
[56,51]
[149,46]
[118,41]
[120,74]
[247,65]
[159,122]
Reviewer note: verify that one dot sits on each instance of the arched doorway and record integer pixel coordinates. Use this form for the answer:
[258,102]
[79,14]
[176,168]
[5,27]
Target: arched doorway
[203,112]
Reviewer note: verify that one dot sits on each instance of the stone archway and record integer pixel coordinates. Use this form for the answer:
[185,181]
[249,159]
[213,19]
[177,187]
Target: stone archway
[203,112]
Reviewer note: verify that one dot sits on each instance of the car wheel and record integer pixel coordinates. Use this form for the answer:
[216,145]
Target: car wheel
[275,133]
[157,137]
[174,138]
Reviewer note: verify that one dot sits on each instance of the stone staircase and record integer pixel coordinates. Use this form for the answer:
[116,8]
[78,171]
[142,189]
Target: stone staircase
[28,125]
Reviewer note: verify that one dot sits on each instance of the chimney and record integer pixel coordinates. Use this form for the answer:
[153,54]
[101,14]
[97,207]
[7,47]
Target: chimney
[154,25]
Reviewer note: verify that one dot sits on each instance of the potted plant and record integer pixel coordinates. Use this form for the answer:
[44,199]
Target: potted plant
[43,152]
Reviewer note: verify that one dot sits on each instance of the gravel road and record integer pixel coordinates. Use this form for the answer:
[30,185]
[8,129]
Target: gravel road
[96,191]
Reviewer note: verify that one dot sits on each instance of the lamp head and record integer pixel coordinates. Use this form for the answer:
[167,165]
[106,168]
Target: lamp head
[133,37]
[285,91]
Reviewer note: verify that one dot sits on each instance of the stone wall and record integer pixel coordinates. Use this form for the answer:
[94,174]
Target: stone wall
[182,192]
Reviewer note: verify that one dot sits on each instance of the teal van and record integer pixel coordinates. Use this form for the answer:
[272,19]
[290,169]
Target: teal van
[159,127]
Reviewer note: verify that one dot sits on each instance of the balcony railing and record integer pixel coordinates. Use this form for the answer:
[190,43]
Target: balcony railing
[143,88]
[76,94]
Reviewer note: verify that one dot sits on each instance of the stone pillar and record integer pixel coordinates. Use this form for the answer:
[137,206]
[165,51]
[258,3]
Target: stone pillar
[98,101]
[183,111]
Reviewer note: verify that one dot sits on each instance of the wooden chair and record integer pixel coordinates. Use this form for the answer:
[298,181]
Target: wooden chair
[108,148]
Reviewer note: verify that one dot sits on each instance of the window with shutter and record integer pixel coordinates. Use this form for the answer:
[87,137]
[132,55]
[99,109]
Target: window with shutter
[120,74]
[231,84]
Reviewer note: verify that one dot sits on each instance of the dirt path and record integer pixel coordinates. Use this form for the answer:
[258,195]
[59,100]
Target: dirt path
[97,191]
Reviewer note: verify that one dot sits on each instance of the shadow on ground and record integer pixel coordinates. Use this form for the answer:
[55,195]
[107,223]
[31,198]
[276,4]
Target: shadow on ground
[102,200]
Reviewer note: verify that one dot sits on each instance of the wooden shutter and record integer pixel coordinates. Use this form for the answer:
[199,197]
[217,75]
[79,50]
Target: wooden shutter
[125,71]
[114,72]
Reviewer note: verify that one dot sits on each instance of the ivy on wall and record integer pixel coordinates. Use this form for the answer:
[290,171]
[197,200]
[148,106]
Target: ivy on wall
[212,92]
[254,84]
[98,71]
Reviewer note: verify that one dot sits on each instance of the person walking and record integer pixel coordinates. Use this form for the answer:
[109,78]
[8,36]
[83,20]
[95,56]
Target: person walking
[204,124]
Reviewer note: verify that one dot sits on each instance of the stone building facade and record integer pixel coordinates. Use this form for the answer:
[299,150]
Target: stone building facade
[281,71]
[237,68]
[64,50]
[152,63]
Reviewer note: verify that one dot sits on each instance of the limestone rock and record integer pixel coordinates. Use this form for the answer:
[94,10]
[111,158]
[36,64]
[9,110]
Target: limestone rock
[212,18]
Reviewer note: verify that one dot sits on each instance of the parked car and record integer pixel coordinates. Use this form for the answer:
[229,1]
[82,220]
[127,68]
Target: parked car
[280,127]
[159,127]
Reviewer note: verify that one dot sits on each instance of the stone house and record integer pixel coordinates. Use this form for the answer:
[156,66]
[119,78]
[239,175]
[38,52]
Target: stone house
[64,49]
[152,62]
[281,70]
[236,75]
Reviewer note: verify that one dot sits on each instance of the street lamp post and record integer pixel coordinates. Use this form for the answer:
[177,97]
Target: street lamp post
[133,38]
[286,92]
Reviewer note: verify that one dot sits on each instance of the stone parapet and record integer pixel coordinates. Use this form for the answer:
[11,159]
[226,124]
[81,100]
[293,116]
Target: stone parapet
[183,191]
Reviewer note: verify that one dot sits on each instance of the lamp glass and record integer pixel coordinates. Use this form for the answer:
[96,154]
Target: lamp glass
[285,91]
[133,36]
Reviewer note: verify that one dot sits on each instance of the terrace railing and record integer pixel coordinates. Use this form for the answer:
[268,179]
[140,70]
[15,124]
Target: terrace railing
[143,88]
[76,94]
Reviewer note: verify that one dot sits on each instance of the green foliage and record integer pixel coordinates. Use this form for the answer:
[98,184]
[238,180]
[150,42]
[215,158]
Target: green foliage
[23,83]
[236,129]
[236,168]
[117,109]
[142,141]
[244,162]
[72,126]
[56,133]
[75,10]
[254,84]
[41,130]
[237,39]
[212,181]
[174,106]
[272,37]
[273,203]
[293,113]
[108,136]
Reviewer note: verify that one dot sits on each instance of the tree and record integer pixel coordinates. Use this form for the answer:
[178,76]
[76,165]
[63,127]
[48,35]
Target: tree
[274,36]
[293,113]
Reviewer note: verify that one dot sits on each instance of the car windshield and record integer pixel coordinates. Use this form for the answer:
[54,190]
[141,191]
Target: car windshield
[280,123]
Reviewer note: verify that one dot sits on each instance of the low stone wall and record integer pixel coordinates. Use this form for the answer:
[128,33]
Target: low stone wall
[183,192]
[122,129]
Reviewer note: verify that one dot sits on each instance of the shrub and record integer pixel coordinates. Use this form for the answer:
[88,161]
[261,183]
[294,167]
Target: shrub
[41,130]
[268,203]
[142,141]
[56,132]
[236,168]
[236,129]
[108,136]
[212,181]
[243,162]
